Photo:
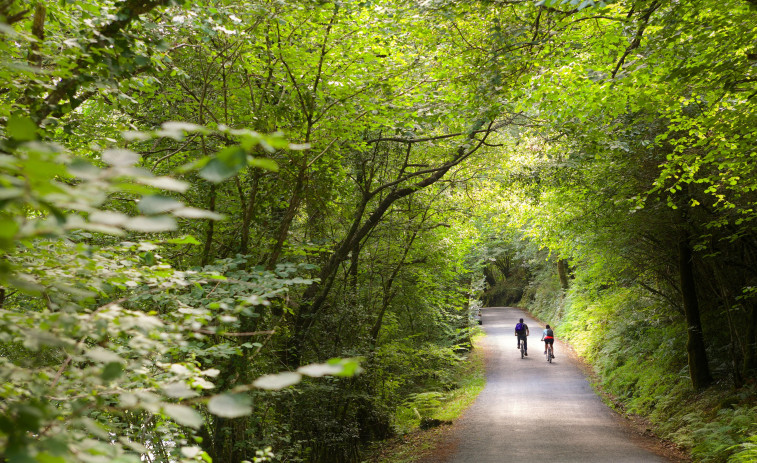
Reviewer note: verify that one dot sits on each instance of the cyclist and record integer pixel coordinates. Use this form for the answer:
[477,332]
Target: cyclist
[548,336]
[521,331]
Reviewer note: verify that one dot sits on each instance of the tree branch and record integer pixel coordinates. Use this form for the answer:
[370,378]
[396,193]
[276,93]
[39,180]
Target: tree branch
[67,88]
[639,34]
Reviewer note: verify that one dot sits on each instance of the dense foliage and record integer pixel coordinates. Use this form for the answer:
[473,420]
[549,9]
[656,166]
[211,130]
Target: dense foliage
[212,212]
[637,183]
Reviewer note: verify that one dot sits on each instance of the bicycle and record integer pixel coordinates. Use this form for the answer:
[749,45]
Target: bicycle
[522,345]
[549,353]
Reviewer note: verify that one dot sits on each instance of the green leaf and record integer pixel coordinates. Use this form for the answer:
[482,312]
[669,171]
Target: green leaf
[99,354]
[165,183]
[111,218]
[47,458]
[151,224]
[226,164]
[178,390]
[56,445]
[185,416]
[195,213]
[10,192]
[156,204]
[175,130]
[186,239]
[112,371]
[8,228]
[299,146]
[264,163]
[316,370]
[230,405]
[216,171]
[148,258]
[191,452]
[277,381]
[21,458]
[21,128]
[350,366]
[120,157]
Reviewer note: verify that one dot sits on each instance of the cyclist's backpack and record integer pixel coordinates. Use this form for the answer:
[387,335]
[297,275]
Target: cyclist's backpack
[550,333]
[519,328]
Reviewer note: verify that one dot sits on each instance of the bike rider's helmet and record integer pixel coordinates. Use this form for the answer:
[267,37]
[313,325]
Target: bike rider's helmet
[521,320]
[548,327]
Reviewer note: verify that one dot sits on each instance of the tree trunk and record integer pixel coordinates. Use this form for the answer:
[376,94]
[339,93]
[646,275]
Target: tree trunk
[38,30]
[286,222]
[699,369]
[211,227]
[750,342]
[248,212]
[562,271]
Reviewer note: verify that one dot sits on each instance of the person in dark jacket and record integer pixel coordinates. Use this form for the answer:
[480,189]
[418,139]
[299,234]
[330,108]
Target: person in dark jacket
[521,331]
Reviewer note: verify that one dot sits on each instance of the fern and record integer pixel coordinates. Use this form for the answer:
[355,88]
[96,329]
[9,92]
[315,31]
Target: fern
[745,452]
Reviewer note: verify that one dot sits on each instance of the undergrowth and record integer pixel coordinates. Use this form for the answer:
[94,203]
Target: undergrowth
[469,379]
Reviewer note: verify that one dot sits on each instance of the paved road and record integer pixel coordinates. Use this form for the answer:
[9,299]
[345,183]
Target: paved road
[531,411]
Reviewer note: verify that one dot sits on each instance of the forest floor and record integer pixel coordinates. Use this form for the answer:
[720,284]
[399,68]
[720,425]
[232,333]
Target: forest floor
[531,411]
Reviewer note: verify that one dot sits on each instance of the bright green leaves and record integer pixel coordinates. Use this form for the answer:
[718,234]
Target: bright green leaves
[277,381]
[154,224]
[226,163]
[155,204]
[263,163]
[58,262]
[230,161]
[21,128]
[334,367]
[578,4]
[120,157]
[183,415]
[8,229]
[230,405]
[187,239]
[112,371]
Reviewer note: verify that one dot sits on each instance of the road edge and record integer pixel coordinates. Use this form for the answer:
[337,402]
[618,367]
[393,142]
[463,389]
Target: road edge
[640,429]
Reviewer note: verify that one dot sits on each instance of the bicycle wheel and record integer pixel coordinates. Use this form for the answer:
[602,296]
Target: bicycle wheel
[522,349]
[549,354]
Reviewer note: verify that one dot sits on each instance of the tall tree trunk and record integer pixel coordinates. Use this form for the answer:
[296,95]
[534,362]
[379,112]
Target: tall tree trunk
[248,213]
[286,222]
[211,227]
[749,345]
[562,271]
[352,273]
[721,285]
[38,30]
[699,369]
[750,342]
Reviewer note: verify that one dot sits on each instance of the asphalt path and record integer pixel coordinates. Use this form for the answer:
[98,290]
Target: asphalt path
[532,411]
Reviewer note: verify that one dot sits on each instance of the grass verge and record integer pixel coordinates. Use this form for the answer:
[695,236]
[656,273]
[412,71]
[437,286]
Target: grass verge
[414,443]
